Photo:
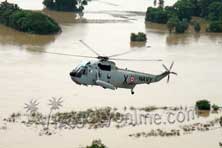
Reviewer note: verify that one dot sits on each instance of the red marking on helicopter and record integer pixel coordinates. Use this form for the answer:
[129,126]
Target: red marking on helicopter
[132,79]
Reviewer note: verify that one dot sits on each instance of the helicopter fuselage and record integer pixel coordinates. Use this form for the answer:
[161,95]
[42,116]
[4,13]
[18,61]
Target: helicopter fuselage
[107,75]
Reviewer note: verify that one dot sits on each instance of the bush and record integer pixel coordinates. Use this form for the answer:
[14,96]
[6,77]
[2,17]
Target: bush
[215,11]
[171,11]
[27,21]
[203,105]
[215,26]
[185,9]
[172,22]
[96,144]
[156,15]
[196,26]
[140,37]
[181,26]
[215,107]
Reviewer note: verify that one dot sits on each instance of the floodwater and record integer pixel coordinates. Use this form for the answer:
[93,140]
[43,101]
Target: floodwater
[106,26]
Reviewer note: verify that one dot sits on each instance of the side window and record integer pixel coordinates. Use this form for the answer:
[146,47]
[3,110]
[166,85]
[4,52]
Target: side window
[104,67]
[85,71]
[108,76]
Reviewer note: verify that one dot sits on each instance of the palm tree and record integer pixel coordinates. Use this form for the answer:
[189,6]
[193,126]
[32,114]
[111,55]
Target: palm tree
[154,2]
[161,3]
[54,104]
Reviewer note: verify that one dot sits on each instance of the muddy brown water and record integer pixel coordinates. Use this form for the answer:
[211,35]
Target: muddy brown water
[26,75]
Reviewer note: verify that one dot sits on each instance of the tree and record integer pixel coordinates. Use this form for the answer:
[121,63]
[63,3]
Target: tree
[157,15]
[161,3]
[203,4]
[171,11]
[133,37]
[27,21]
[215,11]
[185,9]
[172,22]
[215,107]
[154,2]
[66,5]
[96,144]
[203,105]
[140,37]
[215,26]
[182,26]
[196,26]
[196,9]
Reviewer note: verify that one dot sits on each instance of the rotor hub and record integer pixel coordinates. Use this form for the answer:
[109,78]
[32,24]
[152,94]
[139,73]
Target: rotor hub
[103,58]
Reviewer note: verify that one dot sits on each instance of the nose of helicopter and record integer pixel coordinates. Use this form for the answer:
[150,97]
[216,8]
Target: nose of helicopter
[73,77]
[72,74]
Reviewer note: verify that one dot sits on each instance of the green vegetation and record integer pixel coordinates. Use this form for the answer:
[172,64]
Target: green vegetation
[140,37]
[27,21]
[156,15]
[203,105]
[66,5]
[196,26]
[215,107]
[97,144]
[185,9]
[221,121]
[160,3]
[215,11]
[182,26]
[172,23]
[215,26]
[178,26]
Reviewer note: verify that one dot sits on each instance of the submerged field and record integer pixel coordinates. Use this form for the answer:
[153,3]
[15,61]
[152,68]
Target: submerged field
[106,26]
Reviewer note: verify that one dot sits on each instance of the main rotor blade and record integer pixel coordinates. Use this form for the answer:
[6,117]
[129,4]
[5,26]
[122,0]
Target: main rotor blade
[63,54]
[145,60]
[89,47]
[108,3]
[123,53]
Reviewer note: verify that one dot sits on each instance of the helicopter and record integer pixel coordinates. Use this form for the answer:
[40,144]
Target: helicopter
[103,72]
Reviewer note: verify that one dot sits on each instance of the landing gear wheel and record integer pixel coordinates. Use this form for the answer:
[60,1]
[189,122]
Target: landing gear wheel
[132,92]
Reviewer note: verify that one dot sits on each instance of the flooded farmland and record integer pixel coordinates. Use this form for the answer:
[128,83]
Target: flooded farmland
[106,26]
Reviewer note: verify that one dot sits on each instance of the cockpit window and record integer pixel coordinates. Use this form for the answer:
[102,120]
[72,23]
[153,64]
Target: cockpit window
[81,71]
[85,71]
[104,67]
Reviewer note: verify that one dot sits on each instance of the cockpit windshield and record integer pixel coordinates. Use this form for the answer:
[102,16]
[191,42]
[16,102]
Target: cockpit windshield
[82,64]
[82,70]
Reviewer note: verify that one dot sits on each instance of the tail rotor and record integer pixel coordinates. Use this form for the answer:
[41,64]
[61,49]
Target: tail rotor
[168,71]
